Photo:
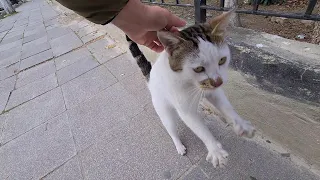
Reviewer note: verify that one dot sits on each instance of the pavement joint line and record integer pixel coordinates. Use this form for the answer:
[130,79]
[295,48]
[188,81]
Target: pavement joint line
[34,54]
[35,64]
[30,99]
[3,144]
[56,168]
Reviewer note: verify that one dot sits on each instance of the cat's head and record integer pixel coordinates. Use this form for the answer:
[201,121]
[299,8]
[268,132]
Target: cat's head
[199,53]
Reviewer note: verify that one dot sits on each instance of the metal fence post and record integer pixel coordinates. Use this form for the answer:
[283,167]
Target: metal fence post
[200,14]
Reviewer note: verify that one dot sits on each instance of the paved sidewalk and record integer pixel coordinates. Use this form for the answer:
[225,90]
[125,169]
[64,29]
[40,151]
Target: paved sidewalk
[74,106]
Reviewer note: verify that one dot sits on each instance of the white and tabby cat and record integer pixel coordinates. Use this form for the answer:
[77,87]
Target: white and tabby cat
[193,66]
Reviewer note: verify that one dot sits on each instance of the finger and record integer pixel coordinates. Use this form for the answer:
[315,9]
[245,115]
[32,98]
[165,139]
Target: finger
[158,42]
[153,42]
[174,29]
[155,47]
[174,21]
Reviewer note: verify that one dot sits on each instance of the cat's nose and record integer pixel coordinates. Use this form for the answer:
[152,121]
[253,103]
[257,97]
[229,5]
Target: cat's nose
[216,83]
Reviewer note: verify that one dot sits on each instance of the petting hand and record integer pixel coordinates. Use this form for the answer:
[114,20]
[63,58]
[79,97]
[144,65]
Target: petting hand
[141,23]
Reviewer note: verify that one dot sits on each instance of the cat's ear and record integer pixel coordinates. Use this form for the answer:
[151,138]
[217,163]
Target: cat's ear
[219,25]
[169,40]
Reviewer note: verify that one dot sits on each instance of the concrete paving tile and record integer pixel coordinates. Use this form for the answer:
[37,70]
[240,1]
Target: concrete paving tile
[6,40]
[195,147]
[10,52]
[35,26]
[36,49]
[51,15]
[7,85]
[86,86]
[64,44]
[195,174]
[32,90]
[140,149]
[244,162]
[33,31]
[14,32]
[21,22]
[58,32]
[33,22]
[136,85]
[92,36]
[38,152]
[18,28]
[76,69]
[35,73]
[15,44]
[36,59]
[9,60]
[12,36]
[69,171]
[51,22]
[4,96]
[72,57]
[274,120]
[36,36]
[121,67]
[5,28]
[97,116]
[9,71]
[31,114]
[2,34]
[101,51]
[36,42]
[35,17]
[86,30]
[51,27]
[78,25]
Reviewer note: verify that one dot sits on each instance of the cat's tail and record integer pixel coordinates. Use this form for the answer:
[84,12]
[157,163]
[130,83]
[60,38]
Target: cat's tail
[142,61]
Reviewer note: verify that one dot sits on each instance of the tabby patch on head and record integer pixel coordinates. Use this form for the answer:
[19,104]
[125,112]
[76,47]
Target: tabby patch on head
[186,42]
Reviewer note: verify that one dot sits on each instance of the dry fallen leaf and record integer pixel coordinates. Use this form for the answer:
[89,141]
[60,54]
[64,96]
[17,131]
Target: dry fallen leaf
[111,46]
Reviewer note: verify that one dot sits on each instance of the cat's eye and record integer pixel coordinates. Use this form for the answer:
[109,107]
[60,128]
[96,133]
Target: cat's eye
[222,61]
[199,69]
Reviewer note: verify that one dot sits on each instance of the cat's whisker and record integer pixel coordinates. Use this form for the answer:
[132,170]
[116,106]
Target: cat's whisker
[191,92]
[194,98]
[191,98]
[201,97]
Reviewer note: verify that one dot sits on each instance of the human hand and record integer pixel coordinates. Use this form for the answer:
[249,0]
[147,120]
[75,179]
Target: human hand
[141,23]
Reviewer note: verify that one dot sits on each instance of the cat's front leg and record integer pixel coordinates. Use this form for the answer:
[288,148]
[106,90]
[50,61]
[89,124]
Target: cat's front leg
[221,102]
[216,154]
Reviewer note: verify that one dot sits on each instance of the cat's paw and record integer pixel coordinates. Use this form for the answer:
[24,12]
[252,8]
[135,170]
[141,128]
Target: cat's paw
[244,128]
[181,149]
[217,156]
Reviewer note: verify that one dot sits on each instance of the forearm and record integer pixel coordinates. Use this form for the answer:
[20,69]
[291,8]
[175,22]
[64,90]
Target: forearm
[96,11]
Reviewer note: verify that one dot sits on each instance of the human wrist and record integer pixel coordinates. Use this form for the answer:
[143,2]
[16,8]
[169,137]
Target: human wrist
[132,15]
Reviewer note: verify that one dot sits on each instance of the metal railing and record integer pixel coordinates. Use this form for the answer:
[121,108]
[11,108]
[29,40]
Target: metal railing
[201,7]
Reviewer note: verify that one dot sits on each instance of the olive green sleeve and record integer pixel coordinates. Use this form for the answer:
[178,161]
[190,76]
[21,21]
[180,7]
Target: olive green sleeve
[96,11]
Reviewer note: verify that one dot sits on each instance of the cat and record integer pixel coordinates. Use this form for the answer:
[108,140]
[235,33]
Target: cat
[193,67]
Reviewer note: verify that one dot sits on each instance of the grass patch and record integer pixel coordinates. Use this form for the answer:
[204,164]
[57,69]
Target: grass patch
[7,15]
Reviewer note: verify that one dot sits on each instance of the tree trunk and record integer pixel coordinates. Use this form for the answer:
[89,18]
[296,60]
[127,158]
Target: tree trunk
[316,32]
[6,4]
[235,20]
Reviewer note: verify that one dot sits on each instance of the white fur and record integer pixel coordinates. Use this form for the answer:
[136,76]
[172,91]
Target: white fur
[177,94]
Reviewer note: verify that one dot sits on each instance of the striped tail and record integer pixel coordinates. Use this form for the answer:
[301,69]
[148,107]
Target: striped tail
[142,62]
